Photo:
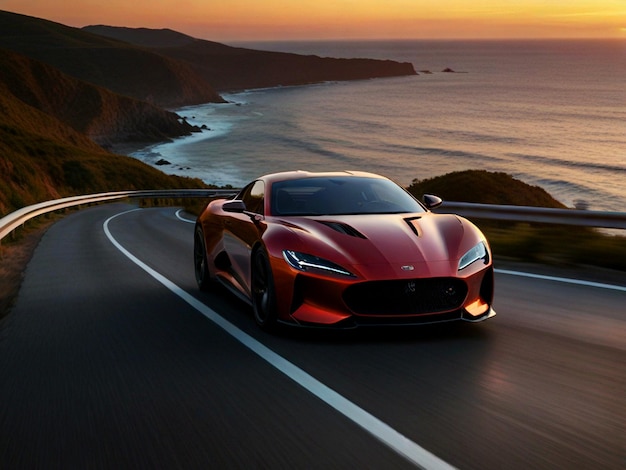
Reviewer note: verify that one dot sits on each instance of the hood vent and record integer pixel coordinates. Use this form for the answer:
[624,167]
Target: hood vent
[411,221]
[343,228]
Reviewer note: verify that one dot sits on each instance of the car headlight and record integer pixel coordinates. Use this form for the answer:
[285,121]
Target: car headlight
[476,253]
[305,262]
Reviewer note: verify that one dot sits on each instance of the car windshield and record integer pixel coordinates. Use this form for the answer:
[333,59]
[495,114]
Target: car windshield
[342,195]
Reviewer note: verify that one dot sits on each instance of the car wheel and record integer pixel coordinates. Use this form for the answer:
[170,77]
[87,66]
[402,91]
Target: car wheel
[203,278]
[263,293]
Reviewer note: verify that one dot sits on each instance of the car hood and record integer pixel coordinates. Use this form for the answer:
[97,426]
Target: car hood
[399,242]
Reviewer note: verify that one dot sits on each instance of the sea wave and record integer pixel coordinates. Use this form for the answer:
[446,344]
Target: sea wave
[585,166]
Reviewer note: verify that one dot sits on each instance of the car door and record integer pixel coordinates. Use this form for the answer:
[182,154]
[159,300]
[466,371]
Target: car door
[242,230]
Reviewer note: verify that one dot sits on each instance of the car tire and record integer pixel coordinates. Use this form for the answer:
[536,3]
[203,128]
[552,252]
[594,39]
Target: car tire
[200,263]
[263,291]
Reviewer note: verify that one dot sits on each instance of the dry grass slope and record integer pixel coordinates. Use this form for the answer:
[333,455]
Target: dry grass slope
[525,241]
[43,153]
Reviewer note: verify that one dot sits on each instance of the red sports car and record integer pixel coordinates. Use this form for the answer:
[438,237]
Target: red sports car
[343,250]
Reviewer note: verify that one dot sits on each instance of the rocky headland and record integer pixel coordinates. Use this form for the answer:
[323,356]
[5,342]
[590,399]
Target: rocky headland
[70,98]
[230,68]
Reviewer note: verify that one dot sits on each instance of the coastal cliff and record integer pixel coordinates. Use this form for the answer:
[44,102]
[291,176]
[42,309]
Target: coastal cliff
[170,69]
[67,95]
[53,130]
[118,66]
[230,68]
[99,114]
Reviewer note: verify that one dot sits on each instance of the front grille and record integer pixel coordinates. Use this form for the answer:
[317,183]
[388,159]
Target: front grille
[406,297]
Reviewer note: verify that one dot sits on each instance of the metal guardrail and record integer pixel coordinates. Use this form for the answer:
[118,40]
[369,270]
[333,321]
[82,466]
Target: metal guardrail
[19,217]
[578,217]
[585,218]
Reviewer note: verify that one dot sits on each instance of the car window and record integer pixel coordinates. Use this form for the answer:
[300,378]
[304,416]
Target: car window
[253,197]
[341,195]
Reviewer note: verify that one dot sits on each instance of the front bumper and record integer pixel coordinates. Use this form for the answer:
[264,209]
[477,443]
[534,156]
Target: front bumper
[323,301]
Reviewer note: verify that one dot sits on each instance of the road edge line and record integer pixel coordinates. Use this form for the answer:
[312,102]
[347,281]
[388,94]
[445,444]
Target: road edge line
[561,279]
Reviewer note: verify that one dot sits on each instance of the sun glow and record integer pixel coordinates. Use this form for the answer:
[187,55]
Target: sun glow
[336,19]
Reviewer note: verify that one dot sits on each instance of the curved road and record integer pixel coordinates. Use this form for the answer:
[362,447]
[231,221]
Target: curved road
[112,358]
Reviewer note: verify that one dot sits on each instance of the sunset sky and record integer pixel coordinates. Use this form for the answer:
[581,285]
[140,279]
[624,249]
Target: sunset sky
[232,20]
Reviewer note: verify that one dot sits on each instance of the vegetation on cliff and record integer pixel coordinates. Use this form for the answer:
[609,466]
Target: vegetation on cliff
[101,115]
[484,187]
[525,241]
[46,121]
[67,94]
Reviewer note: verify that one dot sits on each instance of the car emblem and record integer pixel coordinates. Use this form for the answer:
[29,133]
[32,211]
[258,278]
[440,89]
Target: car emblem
[407,267]
[410,287]
[450,291]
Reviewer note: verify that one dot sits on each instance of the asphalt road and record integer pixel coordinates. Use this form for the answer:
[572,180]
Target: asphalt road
[108,362]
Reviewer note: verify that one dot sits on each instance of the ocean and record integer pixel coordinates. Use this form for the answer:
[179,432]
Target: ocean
[552,113]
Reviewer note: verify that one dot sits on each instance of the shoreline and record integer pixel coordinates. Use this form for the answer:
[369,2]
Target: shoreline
[127,148]
[424,128]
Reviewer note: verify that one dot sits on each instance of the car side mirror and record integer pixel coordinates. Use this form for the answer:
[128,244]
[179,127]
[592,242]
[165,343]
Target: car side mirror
[431,201]
[236,205]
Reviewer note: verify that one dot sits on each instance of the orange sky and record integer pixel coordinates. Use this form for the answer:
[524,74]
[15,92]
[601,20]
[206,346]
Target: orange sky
[232,20]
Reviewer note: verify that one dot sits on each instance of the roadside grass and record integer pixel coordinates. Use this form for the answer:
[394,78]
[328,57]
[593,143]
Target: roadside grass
[556,244]
[16,251]
[540,243]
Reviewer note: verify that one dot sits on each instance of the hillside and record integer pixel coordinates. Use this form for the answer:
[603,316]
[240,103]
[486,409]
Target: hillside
[232,68]
[66,93]
[118,66]
[171,69]
[483,187]
[45,152]
[101,115]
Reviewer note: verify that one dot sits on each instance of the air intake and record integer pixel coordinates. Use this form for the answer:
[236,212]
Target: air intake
[412,223]
[343,228]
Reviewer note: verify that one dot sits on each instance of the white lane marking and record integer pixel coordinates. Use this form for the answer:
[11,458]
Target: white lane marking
[381,431]
[180,217]
[562,279]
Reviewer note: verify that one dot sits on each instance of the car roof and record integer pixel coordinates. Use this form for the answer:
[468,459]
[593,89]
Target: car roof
[300,174]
